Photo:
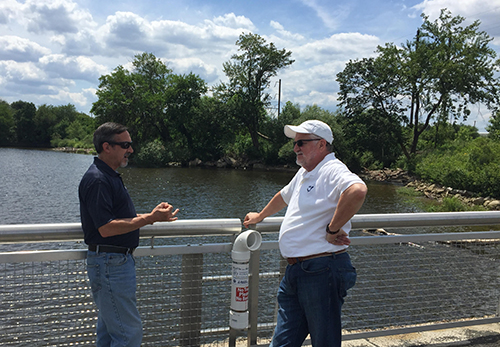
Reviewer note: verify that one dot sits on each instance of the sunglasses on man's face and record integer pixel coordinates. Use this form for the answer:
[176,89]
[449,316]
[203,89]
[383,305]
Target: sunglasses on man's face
[124,144]
[300,143]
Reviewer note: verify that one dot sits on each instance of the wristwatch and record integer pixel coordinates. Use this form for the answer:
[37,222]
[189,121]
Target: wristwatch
[331,232]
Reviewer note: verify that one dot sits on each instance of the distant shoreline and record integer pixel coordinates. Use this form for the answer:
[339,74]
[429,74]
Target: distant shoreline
[74,150]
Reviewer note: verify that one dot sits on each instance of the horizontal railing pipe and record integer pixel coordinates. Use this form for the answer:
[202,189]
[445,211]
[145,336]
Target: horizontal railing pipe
[404,220]
[19,233]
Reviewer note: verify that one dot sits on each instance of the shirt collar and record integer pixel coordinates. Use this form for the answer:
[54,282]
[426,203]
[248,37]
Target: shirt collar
[327,158]
[101,165]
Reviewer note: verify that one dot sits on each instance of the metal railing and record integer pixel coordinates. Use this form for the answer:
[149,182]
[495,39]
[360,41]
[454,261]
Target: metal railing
[406,282]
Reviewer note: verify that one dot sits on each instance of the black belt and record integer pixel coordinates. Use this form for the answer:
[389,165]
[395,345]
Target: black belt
[111,249]
[295,260]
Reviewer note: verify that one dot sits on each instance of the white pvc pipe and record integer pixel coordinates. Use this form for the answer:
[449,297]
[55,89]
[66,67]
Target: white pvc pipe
[246,242]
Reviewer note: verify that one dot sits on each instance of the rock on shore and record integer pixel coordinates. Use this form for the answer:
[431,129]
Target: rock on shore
[430,190]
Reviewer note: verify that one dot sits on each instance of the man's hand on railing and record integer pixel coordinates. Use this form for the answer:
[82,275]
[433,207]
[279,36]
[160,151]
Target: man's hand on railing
[252,218]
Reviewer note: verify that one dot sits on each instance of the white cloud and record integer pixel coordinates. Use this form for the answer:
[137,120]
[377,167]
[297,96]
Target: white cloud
[125,29]
[26,73]
[20,49]
[230,20]
[58,16]
[488,11]
[73,68]
[64,96]
[126,33]
[339,47]
[209,73]
[284,33]
[8,10]
[85,42]
[331,16]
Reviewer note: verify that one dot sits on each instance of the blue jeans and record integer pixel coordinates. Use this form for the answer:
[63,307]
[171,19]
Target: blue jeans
[113,282]
[310,299]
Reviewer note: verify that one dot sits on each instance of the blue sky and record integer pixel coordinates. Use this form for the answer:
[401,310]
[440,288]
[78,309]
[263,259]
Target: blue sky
[53,51]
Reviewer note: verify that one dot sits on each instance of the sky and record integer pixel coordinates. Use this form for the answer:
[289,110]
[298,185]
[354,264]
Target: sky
[54,51]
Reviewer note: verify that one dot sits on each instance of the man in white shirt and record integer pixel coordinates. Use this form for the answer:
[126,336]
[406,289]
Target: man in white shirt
[321,199]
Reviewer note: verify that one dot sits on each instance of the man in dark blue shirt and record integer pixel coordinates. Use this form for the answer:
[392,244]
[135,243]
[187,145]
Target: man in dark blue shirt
[111,230]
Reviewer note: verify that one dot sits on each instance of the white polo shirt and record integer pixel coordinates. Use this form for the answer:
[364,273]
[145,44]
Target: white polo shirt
[312,198]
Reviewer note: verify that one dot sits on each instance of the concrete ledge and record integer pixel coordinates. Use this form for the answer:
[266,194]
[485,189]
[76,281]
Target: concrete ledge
[487,335]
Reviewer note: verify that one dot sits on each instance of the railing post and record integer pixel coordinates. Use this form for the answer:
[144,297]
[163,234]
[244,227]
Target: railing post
[253,297]
[498,306]
[191,296]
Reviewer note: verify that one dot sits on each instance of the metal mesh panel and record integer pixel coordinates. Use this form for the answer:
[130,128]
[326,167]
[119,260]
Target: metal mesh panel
[184,299]
[404,284]
[181,296]
[46,304]
[417,283]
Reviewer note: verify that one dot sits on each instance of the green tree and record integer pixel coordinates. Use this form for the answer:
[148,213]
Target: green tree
[493,127]
[272,129]
[45,121]
[182,105]
[372,138]
[442,133]
[115,97]
[7,124]
[161,109]
[82,129]
[249,75]
[24,116]
[136,99]
[439,73]
[214,129]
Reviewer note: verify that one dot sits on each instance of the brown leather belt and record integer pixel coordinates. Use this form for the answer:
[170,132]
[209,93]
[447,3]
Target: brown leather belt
[295,260]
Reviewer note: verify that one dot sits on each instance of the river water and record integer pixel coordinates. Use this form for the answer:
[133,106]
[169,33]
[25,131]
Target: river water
[40,186]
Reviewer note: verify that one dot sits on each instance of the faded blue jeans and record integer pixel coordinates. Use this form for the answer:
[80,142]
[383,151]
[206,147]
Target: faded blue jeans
[113,282]
[310,299]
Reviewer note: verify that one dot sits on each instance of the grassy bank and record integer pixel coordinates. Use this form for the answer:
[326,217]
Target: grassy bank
[447,204]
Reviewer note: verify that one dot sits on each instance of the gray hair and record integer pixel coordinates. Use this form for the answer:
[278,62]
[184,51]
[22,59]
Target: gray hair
[329,146]
[106,133]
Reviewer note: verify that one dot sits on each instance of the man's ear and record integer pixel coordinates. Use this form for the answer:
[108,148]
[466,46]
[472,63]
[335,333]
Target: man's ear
[106,147]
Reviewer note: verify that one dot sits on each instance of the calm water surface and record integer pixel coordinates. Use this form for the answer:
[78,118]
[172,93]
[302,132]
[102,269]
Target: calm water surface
[42,187]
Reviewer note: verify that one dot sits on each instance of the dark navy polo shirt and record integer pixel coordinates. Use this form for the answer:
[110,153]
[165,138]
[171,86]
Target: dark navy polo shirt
[103,198]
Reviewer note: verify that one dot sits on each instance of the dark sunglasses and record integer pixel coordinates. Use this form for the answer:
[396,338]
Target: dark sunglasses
[124,144]
[300,143]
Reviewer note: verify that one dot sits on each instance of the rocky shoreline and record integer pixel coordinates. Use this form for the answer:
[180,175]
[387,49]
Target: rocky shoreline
[430,190]
[232,163]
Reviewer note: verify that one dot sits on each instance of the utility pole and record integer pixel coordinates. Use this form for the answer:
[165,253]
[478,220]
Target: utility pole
[279,96]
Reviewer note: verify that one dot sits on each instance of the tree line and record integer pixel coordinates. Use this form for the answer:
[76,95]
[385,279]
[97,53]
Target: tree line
[402,108]
[23,124]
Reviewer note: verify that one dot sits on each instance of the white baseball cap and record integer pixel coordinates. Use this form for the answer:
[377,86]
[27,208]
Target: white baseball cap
[315,127]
